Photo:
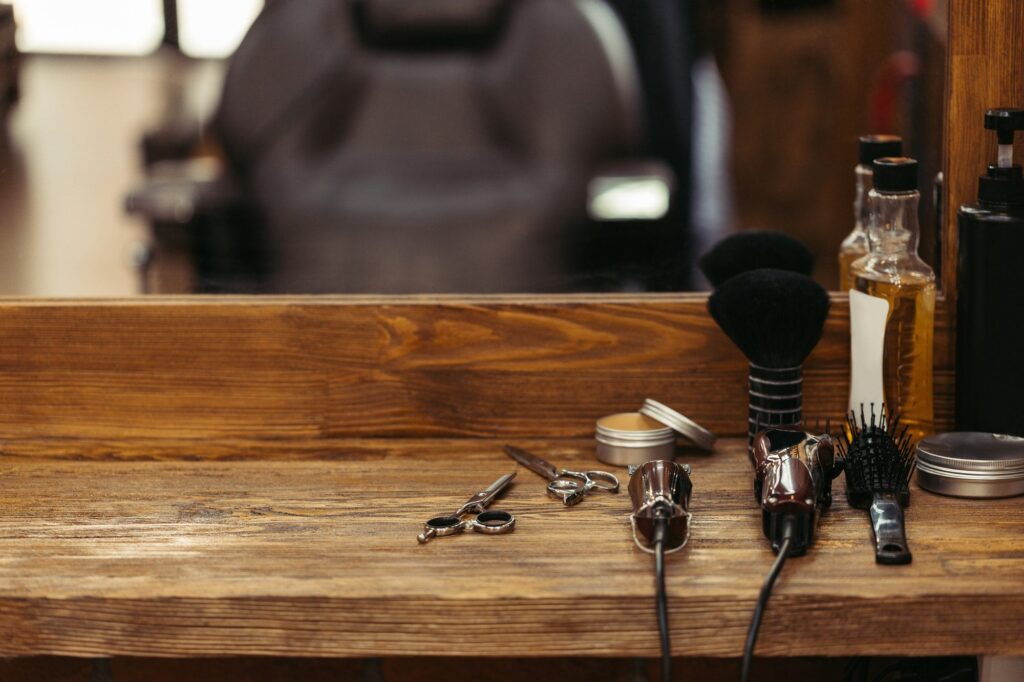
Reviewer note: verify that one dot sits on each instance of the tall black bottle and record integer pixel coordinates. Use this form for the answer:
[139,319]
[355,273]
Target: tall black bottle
[990,297]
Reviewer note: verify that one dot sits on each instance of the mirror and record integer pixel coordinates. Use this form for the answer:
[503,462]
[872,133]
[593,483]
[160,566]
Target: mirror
[365,146]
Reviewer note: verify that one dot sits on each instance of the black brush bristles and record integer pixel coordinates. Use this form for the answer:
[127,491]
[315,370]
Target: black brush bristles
[775,318]
[753,250]
[879,457]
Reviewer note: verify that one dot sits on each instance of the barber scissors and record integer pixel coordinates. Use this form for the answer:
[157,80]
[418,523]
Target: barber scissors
[570,486]
[490,522]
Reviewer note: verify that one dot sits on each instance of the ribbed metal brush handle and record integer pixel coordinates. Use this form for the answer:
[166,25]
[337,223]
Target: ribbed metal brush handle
[775,397]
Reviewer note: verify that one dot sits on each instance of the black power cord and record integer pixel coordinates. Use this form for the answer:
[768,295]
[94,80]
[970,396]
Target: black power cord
[660,530]
[762,602]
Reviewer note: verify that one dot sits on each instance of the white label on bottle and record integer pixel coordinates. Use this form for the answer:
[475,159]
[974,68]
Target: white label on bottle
[868,315]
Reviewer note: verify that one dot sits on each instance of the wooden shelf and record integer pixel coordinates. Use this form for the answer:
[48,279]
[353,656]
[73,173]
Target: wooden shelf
[288,555]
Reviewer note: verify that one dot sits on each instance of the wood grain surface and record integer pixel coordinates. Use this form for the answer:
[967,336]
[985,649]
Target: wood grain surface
[986,70]
[256,368]
[319,558]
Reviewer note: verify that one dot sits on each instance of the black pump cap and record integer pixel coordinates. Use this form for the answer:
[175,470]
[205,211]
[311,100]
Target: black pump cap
[1005,122]
[895,174]
[1001,188]
[873,147]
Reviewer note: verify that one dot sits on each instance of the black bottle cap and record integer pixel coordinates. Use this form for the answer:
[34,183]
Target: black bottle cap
[1005,122]
[873,147]
[1001,188]
[895,174]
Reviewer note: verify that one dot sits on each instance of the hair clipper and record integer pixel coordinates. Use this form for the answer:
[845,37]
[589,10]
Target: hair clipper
[793,472]
[660,491]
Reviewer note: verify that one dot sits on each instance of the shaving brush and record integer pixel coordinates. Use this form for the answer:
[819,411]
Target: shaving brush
[753,250]
[775,318]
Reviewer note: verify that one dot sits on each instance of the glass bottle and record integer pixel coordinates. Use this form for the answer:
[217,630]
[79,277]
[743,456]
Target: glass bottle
[870,147]
[893,271]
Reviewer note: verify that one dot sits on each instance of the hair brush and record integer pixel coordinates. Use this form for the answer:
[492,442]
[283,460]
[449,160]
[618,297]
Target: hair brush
[776,318]
[879,460]
[753,250]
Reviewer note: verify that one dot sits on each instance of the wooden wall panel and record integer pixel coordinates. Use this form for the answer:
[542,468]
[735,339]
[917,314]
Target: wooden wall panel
[370,367]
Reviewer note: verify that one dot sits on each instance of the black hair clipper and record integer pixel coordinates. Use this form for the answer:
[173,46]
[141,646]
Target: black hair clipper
[793,472]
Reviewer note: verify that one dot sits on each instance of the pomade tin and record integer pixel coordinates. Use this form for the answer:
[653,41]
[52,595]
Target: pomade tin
[649,434]
[971,464]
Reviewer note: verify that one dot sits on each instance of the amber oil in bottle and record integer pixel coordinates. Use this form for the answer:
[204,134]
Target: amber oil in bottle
[870,147]
[892,270]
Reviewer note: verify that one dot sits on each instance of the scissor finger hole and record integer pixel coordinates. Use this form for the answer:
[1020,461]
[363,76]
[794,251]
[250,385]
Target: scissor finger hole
[604,481]
[494,519]
[494,522]
[444,525]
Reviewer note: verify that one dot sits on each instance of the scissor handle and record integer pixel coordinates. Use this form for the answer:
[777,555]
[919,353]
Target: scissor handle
[440,526]
[488,522]
[602,480]
[569,490]
[493,522]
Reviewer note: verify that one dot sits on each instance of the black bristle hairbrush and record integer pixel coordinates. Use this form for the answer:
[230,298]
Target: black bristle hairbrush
[776,318]
[753,250]
[879,460]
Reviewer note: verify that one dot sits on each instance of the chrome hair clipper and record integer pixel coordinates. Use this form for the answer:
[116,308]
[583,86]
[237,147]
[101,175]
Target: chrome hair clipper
[660,491]
[793,472]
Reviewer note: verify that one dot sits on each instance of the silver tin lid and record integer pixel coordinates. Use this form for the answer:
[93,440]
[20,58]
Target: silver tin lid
[972,464]
[693,431]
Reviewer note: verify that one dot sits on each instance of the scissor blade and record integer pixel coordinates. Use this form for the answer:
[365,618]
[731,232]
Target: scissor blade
[499,485]
[532,462]
[486,496]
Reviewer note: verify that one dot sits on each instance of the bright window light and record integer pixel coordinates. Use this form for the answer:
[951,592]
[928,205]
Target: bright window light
[213,28]
[121,27]
[631,198]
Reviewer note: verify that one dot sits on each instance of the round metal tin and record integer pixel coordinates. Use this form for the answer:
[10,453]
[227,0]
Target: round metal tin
[621,446]
[693,431]
[621,443]
[971,464]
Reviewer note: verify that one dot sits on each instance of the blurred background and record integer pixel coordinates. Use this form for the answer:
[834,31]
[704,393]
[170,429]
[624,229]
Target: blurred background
[400,146]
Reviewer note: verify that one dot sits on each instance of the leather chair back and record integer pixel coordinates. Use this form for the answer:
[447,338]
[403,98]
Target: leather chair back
[426,146]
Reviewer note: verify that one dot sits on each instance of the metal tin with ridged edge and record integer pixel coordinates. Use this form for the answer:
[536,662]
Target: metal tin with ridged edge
[647,435]
[691,430]
[971,464]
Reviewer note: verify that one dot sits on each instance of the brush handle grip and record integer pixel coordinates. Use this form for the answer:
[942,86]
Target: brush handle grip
[890,534]
[775,398]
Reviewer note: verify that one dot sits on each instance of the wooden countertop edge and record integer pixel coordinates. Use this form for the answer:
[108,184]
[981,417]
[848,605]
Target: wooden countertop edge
[793,626]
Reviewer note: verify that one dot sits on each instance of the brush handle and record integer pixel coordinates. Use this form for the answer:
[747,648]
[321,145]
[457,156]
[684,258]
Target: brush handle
[775,397]
[890,535]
